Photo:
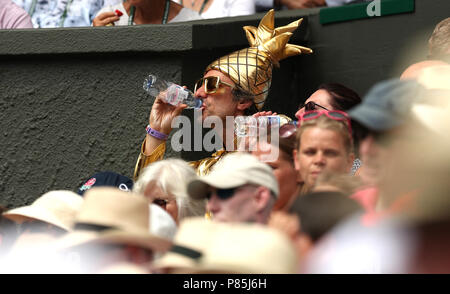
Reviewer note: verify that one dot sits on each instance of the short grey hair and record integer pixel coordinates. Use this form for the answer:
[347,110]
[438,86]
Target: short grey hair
[172,176]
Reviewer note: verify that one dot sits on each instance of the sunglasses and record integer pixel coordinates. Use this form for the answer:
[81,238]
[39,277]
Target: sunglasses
[312,106]
[161,202]
[288,129]
[212,84]
[223,194]
[333,114]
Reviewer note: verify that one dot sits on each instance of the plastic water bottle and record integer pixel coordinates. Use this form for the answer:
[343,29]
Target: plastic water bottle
[172,93]
[248,125]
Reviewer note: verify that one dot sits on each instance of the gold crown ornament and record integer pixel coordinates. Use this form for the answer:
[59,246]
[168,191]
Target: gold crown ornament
[251,68]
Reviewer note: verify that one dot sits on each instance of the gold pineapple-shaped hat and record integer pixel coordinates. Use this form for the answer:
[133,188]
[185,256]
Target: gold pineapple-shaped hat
[251,68]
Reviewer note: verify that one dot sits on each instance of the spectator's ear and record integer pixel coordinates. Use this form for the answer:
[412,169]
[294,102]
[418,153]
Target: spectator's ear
[262,197]
[244,104]
[351,158]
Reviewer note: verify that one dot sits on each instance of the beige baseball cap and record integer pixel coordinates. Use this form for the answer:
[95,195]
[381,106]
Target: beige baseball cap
[235,170]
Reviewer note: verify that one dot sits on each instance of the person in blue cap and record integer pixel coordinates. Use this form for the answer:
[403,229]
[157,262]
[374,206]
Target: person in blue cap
[382,114]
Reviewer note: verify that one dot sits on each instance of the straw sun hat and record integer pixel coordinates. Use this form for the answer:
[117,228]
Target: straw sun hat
[58,208]
[109,215]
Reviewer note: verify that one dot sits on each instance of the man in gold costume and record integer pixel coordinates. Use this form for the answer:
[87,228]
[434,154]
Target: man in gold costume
[232,85]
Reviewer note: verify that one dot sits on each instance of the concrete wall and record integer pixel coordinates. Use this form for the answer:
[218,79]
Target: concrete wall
[72,104]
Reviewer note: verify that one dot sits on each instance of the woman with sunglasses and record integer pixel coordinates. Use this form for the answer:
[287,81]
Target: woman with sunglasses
[324,144]
[331,96]
[334,96]
[133,12]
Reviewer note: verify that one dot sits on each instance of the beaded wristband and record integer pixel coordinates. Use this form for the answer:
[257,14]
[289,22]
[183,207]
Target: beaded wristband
[156,134]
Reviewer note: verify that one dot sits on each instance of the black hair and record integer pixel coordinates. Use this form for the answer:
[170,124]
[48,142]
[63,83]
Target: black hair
[343,98]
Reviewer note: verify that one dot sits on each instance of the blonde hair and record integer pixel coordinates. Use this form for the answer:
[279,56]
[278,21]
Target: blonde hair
[172,177]
[324,122]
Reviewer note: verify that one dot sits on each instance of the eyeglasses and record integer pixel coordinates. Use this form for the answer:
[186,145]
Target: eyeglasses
[223,194]
[333,114]
[161,202]
[212,84]
[312,106]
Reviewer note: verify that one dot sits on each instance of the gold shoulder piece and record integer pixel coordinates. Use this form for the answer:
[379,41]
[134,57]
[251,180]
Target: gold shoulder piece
[145,160]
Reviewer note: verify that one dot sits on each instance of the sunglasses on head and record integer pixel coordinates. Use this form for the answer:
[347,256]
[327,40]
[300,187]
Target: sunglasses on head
[288,130]
[333,114]
[212,84]
[223,194]
[312,106]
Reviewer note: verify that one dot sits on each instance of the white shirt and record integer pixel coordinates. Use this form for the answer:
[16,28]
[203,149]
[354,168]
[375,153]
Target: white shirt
[225,8]
[184,15]
[264,3]
[49,13]
[352,248]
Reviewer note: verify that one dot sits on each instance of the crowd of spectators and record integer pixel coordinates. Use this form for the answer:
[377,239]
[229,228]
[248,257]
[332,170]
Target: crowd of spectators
[15,14]
[356,186]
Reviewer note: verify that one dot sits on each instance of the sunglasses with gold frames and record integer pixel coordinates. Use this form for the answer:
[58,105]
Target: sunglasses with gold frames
[212,84]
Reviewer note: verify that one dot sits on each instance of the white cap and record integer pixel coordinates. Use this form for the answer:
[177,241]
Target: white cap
[235,170]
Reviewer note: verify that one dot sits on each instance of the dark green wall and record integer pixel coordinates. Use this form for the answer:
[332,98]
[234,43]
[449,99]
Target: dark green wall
[71,100]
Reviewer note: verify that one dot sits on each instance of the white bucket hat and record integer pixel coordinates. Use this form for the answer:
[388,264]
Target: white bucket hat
[58,208]
[234,170]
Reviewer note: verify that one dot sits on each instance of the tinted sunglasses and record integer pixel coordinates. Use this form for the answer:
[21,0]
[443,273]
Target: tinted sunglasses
[212,84]
[312,106]
[223,194]
[288,129]
[333,114]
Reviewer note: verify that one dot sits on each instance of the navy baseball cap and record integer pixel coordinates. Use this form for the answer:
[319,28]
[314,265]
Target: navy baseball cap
[107,178]
[387,104]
